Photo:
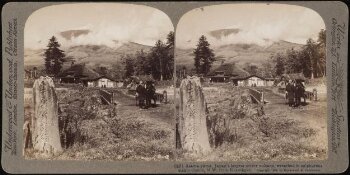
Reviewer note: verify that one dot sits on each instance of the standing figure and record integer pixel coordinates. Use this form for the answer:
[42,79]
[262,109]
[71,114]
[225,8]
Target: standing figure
[151,90]
[290,93]
[141,94]
[299,92]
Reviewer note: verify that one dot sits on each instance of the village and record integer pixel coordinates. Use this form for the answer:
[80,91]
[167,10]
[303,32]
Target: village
[87,99]
[108,96]
[249,113]
[260,99]
[212,97]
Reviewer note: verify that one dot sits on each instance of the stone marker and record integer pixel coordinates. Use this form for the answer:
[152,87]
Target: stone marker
[192,124]
[45,131]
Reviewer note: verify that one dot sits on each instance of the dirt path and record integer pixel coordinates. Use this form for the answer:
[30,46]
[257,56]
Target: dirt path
[312,114]
[162,113]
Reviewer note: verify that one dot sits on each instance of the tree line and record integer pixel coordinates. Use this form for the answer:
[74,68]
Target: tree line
[309,60]
[159,62]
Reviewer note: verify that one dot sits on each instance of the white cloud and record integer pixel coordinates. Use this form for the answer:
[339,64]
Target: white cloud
[257,22]
[107,22]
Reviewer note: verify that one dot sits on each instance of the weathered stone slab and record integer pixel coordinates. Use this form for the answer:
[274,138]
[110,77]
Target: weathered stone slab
[45,131]
[192,124]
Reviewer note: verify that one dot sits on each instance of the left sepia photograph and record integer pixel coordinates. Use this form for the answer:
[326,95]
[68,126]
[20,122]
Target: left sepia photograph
[99,83]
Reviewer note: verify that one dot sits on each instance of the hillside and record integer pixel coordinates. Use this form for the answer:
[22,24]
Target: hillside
[90,54]
[239,53]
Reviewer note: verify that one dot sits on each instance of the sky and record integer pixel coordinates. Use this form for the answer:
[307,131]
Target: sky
[259,24]
[103,23]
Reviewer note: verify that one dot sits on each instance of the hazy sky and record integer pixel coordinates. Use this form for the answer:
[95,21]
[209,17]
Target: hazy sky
[256,22]
[105,21]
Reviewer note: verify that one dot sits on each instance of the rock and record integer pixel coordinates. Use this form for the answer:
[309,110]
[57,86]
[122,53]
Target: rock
[192,125]
[45,131]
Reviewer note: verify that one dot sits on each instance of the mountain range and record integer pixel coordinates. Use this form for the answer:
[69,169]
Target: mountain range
[238,53]
[106,55]
[89,54]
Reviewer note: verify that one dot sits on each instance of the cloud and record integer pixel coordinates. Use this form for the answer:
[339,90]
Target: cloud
[69,34]
[96,23]
[257,24]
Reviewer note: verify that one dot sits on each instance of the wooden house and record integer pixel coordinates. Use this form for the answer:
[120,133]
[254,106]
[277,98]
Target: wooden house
[226,72]
[253,81]
[79,73]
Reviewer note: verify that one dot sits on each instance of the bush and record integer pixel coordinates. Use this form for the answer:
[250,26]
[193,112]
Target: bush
[75,107]
[222,118]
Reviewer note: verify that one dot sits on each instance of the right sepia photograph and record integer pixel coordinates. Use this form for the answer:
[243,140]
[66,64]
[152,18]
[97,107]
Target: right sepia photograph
[251,84]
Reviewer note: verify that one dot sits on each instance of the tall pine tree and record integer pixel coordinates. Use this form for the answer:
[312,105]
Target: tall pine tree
[129,67]
[159,56]
[54,57]
[322,51]
[312,53]
[169,63]
[204,56]
[279,64]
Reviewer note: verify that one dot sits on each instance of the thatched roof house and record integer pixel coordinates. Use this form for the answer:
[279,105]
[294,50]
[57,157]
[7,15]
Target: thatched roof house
[77,73]
[227,71]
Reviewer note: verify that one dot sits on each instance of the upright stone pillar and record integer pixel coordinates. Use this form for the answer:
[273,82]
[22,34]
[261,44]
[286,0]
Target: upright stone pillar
[192,124]
[45,131]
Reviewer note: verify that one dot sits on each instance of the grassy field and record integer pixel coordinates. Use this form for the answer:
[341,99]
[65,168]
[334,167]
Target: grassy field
[241,130]
[93,131]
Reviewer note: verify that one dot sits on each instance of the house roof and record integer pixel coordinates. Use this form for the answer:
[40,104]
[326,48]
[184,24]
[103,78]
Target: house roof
[79,71]
[229,69]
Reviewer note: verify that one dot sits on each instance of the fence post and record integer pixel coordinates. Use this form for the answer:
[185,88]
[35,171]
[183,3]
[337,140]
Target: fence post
[262,97]
[165,95]
[112,101]
[314,92]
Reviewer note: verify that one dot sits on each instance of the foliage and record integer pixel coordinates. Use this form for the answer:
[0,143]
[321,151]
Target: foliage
[292,63]
[310,60]
[159,62]
[141,63]
[279,69]
[204,56]
[267,70]
[251,68]
[54,57]
[129,66]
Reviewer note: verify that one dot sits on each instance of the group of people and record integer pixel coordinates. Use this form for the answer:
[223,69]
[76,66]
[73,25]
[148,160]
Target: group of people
[145,93]
[295,91]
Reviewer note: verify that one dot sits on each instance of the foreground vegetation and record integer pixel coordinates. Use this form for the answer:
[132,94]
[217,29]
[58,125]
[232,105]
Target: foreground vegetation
[93,131]
[240,130]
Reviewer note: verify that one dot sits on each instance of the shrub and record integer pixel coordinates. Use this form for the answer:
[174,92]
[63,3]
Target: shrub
[222,118]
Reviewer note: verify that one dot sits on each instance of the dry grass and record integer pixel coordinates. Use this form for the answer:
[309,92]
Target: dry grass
[103,132]
[241,131]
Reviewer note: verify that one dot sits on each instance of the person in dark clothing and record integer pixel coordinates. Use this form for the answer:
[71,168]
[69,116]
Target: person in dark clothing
[290,93]
[141,94]
[151,90]
[299,92]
